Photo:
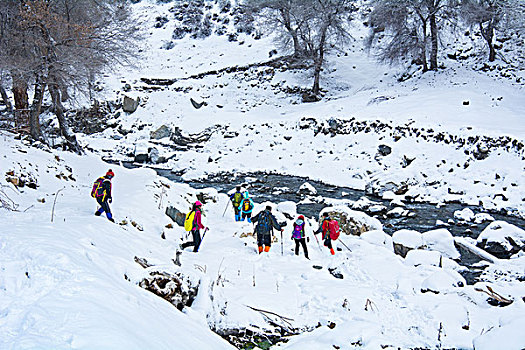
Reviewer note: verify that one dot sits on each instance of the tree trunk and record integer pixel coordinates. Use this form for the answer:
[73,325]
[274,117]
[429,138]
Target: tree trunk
[488,35]
[6,100]
[318,61]
[36,109]
[424,48]
[71,139]
[285,15]
[434,39]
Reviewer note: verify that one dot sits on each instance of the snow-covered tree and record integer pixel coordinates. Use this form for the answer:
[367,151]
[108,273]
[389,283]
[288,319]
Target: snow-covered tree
[408,27]
[493,15]
[60,46]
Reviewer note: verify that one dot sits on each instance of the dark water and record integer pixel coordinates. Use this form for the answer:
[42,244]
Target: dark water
[279,188]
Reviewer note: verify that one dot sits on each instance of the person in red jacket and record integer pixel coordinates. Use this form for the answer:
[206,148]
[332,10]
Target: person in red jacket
[197,226]
[326,232]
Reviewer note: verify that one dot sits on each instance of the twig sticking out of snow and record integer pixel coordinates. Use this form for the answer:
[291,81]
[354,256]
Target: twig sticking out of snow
[6,202]
[491,293]
[371,304]
[266,314]
[55,202]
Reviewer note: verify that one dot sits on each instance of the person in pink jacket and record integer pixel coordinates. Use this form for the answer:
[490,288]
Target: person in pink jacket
[197,226]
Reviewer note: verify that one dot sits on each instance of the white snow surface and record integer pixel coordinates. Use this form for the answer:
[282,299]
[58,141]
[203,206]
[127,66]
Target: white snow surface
[498,231]
[272,135]
[73,283]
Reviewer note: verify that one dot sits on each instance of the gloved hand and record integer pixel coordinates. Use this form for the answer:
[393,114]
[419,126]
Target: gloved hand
[291,238]
[110,200]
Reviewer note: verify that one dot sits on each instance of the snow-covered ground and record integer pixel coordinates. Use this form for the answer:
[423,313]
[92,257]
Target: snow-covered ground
[435,136]
[69,279]
[72,282]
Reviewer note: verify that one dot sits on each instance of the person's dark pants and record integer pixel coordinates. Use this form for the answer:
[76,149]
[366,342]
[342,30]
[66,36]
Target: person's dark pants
[104,207]
[264,239]
[328,242]
[301,241]
[247,215]
[196,241]
[237,212]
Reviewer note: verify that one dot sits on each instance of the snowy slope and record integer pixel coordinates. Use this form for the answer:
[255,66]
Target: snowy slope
[425,118]
[73,282]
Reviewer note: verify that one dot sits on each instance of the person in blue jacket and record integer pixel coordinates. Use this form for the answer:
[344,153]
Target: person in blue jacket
[236,199]
[246,207]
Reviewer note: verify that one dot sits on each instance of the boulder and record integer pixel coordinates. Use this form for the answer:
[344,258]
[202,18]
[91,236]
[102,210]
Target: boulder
[384,150]
[175,215]
[352,221]
[307,188]
[379,238]
[130,105]
[160,133]
[418,257]
[502,239]
[442,281]
[441,240]
[406,240]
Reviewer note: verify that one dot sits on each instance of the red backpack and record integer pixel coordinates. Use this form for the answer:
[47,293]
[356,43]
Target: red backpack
[333,227]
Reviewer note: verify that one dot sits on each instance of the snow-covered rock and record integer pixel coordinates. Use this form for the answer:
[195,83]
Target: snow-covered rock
[441,240]
[379,238]
[442,281]
[464,215]
[505,335]
[418,257]
[288,208]
[406,240]
[352,221]
[502,239]
[307,188]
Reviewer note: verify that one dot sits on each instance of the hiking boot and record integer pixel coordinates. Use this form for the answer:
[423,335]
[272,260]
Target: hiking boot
[260,249]
[98,213]
[111,219]
[267,249]
[332,251]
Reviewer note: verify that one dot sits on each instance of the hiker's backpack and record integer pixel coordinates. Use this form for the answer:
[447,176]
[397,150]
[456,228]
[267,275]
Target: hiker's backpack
[97,190]
[333,227]
[247,205]
[298,231]
[237,198]
[264,222]
[188,222]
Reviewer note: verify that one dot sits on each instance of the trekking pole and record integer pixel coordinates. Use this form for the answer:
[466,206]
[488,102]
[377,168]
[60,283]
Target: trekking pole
[202,239]
[345,246]
[282,243]
[317,239]
[227,205]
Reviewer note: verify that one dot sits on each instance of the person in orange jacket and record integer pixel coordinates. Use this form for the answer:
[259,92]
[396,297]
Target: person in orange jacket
[326,232]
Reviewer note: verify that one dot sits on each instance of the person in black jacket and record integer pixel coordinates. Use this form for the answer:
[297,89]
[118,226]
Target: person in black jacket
[266,222]
[102,193]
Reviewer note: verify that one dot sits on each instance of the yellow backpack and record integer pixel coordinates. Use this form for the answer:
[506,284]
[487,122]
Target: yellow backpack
[188,222]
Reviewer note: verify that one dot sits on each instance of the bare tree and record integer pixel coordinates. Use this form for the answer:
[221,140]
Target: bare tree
[325,28]
[285,14]
[408,26]
[66,43]
[312,26]
[491,16]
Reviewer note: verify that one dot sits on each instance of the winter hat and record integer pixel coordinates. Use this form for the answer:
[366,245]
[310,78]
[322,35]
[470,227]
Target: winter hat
[301,217]
[198,203]
[110,173]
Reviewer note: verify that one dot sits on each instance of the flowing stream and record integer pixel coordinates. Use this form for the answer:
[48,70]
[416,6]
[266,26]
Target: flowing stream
[277,188]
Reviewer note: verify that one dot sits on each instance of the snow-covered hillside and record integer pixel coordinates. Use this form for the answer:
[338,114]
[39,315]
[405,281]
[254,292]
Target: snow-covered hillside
[71,280]
[456,134]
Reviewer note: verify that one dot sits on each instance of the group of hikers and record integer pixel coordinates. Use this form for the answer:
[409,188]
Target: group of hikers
[243,206]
